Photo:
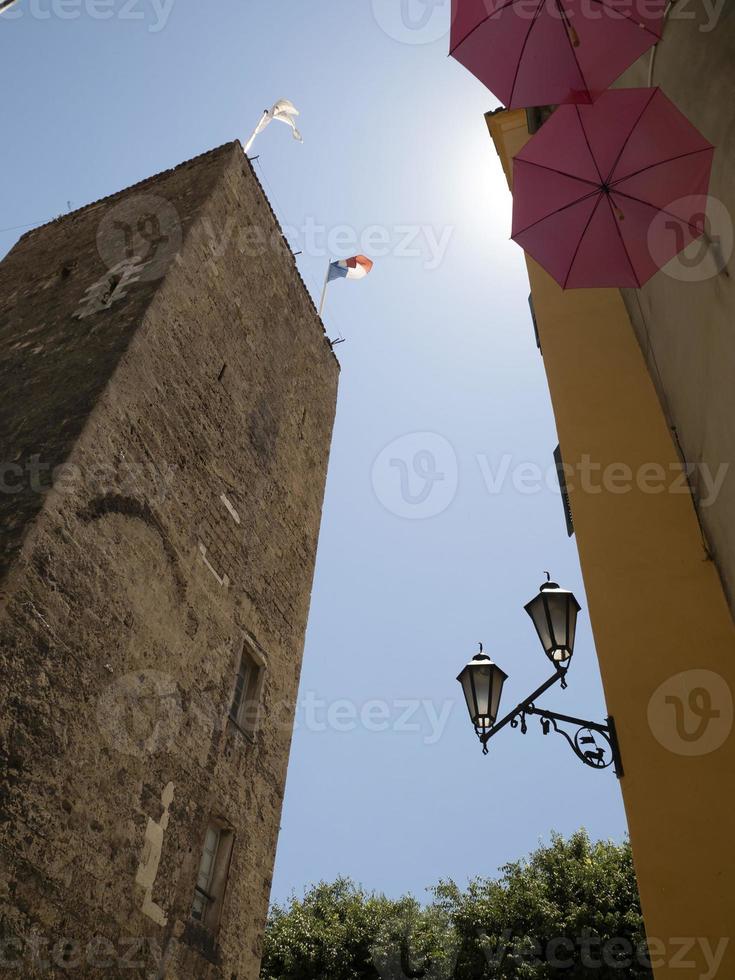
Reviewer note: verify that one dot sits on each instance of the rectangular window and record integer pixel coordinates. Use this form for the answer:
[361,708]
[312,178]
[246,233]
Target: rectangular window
[211,880]
[203,892]
[245,710]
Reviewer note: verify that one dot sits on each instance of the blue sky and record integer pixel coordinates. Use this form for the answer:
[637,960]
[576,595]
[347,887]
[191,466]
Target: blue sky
[441,380]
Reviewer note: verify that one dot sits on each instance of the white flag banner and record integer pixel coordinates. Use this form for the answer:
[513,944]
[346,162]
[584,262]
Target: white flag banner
[285,112]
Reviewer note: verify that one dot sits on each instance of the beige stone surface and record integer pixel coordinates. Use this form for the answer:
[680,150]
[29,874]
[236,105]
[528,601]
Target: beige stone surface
[193,390]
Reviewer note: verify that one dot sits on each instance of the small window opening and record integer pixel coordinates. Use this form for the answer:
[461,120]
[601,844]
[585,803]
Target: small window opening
[245,710]
[112,283]
[211,883]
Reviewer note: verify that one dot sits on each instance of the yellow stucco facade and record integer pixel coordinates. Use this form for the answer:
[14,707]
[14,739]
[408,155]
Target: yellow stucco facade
[663,629]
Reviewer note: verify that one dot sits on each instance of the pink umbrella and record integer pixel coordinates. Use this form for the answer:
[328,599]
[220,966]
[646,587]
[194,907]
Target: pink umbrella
[545,52]
[604,195]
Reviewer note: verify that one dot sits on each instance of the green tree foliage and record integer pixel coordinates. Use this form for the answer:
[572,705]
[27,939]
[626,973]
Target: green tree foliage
[570,910]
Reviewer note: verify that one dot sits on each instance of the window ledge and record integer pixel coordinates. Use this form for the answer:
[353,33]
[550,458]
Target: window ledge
[248,736]
[202,941]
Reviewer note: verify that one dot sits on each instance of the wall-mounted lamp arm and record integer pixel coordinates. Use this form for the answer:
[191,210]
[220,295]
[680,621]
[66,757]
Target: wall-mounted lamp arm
[559,675]
[582,743]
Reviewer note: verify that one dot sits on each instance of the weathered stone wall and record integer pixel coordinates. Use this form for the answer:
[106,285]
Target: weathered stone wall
[194,425]
[684,316]
[54,365]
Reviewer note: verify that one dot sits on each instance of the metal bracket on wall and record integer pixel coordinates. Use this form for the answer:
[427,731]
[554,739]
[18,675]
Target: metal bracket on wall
[594,743]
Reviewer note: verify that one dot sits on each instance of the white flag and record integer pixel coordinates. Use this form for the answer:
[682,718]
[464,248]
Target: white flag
[285,112]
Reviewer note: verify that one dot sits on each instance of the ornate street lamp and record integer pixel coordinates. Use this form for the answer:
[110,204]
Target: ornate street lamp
[482,682]
[554,614]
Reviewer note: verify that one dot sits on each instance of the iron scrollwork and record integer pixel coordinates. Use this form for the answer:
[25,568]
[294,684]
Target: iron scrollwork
[594,744]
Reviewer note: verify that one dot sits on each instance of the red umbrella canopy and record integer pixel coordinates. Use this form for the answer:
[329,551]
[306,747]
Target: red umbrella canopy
[603,195]
[546,52]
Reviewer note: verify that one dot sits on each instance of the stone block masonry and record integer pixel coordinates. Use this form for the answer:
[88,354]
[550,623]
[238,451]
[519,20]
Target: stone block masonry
[166,411]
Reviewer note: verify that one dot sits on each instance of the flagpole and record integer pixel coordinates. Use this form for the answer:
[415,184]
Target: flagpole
[324,291]
[256,132]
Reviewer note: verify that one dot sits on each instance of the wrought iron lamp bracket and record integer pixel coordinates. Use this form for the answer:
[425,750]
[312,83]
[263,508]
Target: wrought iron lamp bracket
[595,744]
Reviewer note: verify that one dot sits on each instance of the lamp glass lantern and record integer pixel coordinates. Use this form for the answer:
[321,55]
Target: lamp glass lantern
[554,614]
[482,682]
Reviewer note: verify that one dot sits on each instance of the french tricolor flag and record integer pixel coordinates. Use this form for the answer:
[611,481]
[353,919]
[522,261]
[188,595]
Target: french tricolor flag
[355,268]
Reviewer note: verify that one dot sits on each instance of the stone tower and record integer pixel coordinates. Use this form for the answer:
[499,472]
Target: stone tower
[166,406]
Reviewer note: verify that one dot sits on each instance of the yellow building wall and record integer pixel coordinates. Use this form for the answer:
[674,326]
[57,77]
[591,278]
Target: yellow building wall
[664,634]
